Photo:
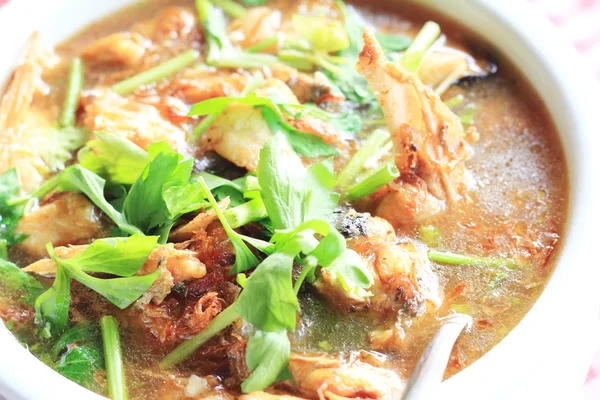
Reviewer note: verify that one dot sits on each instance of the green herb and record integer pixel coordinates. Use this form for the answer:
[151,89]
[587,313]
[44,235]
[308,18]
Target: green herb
[349,123]
[60,143]
[222,188]
[392,43]
[467,115]
[351,83]
[357,163]
[411,60]
[430,235]
[23,285]
[118,159]
[10,213]
[74,86]
[52,306]
[460,259]
[80,333]
[115,373]
[78,179]
[220,52]
[3,249]
[231,8]
[255,83]
[352,274]
[377,179]
[253,2]
[145,205]
[303,143]
[80,365]
[157,73]
[280,174]
[324,35]
[455,101]
[115,256]
[267,357]
[268,301]
[103,257]
[218,104]
[264,44]
[244,258]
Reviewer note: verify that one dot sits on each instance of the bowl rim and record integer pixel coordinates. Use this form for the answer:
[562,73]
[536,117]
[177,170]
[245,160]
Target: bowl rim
[559,76]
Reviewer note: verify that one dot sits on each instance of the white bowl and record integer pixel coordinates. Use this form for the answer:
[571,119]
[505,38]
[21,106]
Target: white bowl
[547,355]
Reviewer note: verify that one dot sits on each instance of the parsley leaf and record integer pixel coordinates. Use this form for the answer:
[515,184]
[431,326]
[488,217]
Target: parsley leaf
[119,291]
[268,300]
[305,144]
[78,179]
[80,364]
[392,43]
[352,274]
[9,214]
[351,83]
[116,256]
[20,283]
[218,104]
[292,194]
[114,157]
[267,356]
[145,205]
[244,258]
[52,306]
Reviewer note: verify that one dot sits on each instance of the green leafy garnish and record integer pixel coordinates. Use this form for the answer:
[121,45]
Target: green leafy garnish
[305,144]
[10,214]
[80,365]
[267,356]
[118,159]
[20,283]
[351,83]
[392,43]
[380,177]
[52,306]
[145,205]
[268,300]
[323,34]
[244,258]
[461,259]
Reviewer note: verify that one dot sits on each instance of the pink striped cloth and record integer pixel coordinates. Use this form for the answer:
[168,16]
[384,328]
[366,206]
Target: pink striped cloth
[579,20]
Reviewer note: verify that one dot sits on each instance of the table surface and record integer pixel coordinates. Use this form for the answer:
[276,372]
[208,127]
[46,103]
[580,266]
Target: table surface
[579,20]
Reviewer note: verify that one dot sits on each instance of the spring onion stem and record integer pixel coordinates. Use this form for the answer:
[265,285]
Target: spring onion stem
[411,60]
[306,271]
[382,176]
[353,168]
[157,73]
[231,8]
[242,59]
[455,101]
[185,349]
[241,215]
[74,86]
[3,249]
[263,44]
[444,257]
[42,191]
[115,374]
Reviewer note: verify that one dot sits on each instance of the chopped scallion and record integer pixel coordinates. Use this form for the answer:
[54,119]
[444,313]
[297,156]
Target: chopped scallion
[356,164]
[430,235]
[382,176]
[185,349]
[231,8]
[254,210]
[455,101]
[263,44]
[157,73]
[115,374]
[444,257]
[74,86]
[411,60]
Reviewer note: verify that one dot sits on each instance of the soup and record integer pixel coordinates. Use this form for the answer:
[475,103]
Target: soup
[241,200]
